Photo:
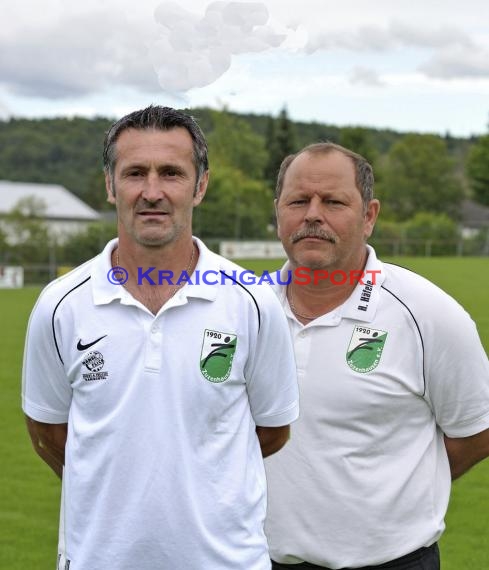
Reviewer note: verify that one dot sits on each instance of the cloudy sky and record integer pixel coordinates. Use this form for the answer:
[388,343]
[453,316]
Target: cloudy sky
[420,65]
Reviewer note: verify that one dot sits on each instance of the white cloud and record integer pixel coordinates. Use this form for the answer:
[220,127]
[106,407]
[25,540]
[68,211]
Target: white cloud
[76,56]
[365,76]
[428,37]
[447,52]
[458,61]
[65,56]
[79,53]
[394,36]
[4,111]
[193,52]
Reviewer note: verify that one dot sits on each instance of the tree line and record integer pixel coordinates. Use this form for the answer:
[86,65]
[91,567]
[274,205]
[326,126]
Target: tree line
[421,179]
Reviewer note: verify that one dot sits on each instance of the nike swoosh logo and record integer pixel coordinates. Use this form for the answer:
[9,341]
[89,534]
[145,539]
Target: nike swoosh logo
[81,346]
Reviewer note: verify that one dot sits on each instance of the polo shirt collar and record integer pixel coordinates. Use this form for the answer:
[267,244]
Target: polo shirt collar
[361,305]
[208,261]
[363,302]
[105,292]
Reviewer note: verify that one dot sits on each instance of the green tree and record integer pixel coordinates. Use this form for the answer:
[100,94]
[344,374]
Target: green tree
[63,151]
[420,176]
[68,151]
[86,244]
[27,231]
[234,207]
[281,141]
[233,143]
[478,169]
[237,203]
[95,194]
[386,237]
[432,234]
[4,246]
[359,140]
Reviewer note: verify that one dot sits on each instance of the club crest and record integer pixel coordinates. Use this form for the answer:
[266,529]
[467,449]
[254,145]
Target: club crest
[365,348]
[216,357]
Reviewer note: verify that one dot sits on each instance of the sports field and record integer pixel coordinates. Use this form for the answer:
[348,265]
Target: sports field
[29,492]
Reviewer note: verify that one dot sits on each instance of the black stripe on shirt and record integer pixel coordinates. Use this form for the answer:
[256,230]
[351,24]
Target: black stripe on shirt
[417,327]
[249,293]
[56,308]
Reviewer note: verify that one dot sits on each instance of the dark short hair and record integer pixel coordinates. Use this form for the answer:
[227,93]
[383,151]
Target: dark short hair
[160,118]
[364,176]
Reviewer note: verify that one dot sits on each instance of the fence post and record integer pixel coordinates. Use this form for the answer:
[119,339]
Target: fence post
[52,260]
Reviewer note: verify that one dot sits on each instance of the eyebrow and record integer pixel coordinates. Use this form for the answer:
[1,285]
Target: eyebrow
[145,167]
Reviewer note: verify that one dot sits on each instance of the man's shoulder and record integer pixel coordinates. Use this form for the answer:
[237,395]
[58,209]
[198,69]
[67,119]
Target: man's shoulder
[245,279]
[418,294]
[58,289]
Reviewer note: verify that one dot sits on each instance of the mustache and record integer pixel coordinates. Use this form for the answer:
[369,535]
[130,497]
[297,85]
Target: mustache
[145,205]
[313,232]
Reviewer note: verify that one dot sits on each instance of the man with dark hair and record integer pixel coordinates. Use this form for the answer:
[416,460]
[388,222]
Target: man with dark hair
[155,398]
[393,380]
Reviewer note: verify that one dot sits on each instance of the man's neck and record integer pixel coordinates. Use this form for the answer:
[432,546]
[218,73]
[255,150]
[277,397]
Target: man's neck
[321,295]
[310,301]
[156,274]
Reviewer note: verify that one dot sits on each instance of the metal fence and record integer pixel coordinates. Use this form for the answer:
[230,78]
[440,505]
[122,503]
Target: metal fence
[431,247]
[43,273]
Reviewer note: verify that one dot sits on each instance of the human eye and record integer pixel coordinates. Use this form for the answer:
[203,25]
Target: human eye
[171,172]
[134,172]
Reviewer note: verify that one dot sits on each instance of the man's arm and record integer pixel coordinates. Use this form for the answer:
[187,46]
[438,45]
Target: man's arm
[464,452]
[272,438]
[49,442]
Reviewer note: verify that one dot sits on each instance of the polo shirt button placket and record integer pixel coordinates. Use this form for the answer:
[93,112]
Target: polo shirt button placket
[153,349]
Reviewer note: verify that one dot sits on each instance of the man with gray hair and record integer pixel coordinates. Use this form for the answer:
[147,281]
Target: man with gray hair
[156,399]
[393,380]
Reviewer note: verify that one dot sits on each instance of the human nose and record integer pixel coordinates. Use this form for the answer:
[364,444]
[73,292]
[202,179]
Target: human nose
[152,191]
[314,212]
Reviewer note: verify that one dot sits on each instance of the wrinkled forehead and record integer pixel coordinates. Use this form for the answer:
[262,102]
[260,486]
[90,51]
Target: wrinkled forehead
[141,144]
[316,170]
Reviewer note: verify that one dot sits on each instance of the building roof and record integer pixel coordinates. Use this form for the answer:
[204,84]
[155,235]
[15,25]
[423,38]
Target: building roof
[60,203]
[474,215]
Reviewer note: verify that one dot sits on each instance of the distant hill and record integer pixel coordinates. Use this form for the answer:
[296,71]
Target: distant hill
[68,151]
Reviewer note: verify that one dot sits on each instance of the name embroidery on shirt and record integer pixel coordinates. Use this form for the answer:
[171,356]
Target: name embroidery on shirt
[365,296]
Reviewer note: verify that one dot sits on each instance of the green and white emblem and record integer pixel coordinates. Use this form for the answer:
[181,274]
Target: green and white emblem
[217,355]
[365,348]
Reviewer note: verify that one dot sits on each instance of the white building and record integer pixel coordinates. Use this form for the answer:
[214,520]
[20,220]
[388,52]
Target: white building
[475,217]
[63,212]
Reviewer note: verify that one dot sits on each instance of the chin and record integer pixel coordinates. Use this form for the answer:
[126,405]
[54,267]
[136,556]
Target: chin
[152,240]
[315,262]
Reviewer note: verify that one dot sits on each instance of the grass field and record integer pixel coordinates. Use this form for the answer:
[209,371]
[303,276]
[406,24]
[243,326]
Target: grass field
[29,492]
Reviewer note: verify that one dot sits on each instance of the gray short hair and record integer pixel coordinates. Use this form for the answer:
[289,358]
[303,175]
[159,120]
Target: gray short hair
[364,176]
[160,118]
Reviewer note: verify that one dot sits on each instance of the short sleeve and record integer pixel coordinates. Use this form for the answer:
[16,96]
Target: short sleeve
[457,373]
[46,392]
[271,371]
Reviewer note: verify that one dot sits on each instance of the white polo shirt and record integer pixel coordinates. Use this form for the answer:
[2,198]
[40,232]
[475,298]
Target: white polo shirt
[163,467]
[365,477]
